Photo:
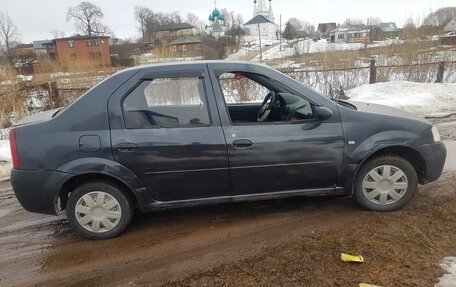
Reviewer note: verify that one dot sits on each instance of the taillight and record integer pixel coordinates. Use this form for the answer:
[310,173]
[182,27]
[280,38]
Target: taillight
[13,146]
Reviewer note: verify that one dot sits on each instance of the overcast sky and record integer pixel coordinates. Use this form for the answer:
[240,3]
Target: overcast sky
[36,18]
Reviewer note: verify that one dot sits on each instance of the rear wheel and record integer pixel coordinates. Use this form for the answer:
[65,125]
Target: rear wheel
[99,210]
[385,183]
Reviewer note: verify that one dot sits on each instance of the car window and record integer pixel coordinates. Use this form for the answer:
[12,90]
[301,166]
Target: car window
[238,89]
[167,103]
[248,95]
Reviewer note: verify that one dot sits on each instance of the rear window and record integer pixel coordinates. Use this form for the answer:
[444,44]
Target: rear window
[167,103]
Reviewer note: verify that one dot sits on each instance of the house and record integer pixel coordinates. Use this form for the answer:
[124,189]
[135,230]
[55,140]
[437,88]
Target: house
[80,49]
[324,29]
[385,30]
[186,46]
[40,48]
[451,26]
[263,19]
[170,32]
[350,34]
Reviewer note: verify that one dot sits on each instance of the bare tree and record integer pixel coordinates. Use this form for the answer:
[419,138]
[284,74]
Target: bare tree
[440,17]
[192,19]
[352,22]
[142,16]
[8,36]
[87,19]
[56,33]
[373,21]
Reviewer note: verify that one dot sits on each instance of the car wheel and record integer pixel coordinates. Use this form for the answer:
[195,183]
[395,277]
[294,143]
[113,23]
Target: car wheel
[385,183]
[99,210]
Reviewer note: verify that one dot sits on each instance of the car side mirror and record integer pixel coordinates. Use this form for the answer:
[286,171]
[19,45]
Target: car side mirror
[323,113]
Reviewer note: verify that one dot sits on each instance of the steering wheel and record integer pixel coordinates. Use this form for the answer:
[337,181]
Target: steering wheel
[266,106]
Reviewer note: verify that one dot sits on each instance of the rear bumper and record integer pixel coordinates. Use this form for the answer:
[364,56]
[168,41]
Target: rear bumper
[434,156]
[37,191]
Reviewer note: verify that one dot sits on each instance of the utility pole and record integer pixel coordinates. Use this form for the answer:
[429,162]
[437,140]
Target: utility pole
[259,38]
[280,34]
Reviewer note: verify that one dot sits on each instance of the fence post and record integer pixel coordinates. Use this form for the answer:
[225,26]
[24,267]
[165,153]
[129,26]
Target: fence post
[54,98]
[440,71]
[373,72]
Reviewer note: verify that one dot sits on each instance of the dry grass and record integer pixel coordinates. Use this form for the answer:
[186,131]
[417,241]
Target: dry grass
[400,249]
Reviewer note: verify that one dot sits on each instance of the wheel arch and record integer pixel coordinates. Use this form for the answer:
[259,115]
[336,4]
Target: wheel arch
[80,179]
[406,152]
[90,169]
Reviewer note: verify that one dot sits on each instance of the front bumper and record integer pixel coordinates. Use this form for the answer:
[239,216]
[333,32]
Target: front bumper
[37,191]
[434,156]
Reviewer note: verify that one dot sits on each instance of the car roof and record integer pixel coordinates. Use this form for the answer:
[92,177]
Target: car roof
[187,63]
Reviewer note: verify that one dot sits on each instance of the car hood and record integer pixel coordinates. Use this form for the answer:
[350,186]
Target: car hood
[386,110]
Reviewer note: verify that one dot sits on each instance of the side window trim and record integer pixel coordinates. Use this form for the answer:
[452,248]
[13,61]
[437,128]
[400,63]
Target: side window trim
[169,75]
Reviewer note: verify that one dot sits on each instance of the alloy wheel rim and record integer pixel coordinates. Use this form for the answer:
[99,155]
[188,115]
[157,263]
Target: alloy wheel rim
[384,185]
[98,212]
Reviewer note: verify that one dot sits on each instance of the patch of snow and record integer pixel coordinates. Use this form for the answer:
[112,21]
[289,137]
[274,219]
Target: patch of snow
[449,279]
[5,158]
[5,154]
[424,99]
[25,78]
[308,46]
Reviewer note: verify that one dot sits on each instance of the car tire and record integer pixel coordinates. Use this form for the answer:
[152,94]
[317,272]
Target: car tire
[99,210]
[385,183]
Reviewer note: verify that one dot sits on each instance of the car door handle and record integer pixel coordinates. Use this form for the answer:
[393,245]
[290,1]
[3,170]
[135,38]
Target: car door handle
[242,143]
[127,147]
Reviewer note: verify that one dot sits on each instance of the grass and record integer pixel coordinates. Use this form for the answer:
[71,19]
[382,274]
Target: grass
[402,248]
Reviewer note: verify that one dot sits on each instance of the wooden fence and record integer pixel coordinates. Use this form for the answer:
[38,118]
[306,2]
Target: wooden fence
[439,66]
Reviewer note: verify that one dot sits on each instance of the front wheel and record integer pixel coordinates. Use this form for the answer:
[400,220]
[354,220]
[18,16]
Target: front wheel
[385,183]
[99,210]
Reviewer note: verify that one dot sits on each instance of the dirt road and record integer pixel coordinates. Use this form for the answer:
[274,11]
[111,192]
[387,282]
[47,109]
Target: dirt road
[41,250]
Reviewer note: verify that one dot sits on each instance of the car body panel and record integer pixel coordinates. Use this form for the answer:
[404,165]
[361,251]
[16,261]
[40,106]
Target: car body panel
[57,146]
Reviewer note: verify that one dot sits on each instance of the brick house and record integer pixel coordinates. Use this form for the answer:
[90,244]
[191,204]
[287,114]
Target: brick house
[81,49]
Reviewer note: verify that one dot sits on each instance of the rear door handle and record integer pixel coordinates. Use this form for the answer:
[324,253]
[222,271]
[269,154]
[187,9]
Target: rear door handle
[127,147]
[242,143]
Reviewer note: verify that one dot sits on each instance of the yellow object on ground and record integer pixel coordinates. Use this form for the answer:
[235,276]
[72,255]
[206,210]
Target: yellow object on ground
[367,285]
[351,258]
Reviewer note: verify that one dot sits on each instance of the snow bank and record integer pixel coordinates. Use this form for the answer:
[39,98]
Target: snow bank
[5,158]
[424,99]
[449,279]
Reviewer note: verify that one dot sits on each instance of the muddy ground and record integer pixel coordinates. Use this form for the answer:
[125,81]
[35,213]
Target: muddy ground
[293,242]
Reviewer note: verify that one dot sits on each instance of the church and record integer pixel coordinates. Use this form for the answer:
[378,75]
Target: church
[263,17]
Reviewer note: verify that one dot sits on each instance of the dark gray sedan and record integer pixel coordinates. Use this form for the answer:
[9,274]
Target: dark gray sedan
[176,135]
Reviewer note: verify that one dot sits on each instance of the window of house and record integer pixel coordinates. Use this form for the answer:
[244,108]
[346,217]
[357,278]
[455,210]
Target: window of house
[199,46]
[184,48]
[341,36]
[167,103]
[70,44]
[92,42]
[174,48]
[95,55]
[73,57]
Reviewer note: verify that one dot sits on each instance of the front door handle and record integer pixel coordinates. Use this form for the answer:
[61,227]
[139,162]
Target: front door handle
[127,147]
[242,143]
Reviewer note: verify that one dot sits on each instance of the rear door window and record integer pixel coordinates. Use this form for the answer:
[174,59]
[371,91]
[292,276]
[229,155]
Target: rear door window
[167,103]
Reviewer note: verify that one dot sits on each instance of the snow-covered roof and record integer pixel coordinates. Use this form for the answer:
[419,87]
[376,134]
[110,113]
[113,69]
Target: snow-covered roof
[259,19]
[186,40]
[176,26]
[388,27]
